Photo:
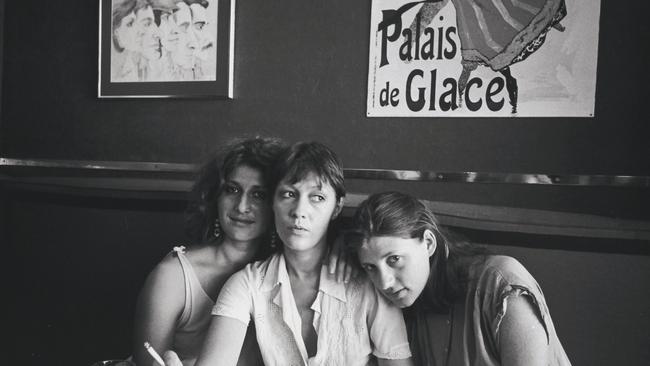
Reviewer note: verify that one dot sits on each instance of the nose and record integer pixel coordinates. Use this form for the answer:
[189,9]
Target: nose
[244,204]
[192,40]
[299,210]
[386,279]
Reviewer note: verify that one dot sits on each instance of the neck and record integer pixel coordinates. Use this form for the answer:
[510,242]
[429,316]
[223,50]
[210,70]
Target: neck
[238,253]
[305,264]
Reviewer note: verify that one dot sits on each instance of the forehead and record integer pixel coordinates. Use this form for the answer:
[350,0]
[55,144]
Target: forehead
[308,180]
[130,16]
[144,13]
[183,14]
[380,246]
[198,13]
[246,175]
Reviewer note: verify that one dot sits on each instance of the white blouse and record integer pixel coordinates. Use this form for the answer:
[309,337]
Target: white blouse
[353,322]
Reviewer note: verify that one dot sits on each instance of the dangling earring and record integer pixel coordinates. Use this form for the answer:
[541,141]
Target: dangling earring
[273,240]
[217,229]
[446,250]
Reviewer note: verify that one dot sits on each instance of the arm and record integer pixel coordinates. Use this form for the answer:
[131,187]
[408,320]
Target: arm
[523,339]
[223,342]
[158,308]
[402,362]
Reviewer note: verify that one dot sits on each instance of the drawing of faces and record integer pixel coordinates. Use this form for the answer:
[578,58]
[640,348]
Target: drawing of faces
[148,33]
[166,30]
[183,39]
[125,33]
[205,40]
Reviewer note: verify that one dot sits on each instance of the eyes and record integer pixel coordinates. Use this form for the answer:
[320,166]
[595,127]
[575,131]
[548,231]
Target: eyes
[313,197]
[393,260]
[256,194]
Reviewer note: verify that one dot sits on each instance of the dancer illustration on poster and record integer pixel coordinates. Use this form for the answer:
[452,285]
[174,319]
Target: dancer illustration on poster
[493,33]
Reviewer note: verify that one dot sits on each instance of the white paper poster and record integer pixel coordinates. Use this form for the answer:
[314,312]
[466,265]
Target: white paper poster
[483,58]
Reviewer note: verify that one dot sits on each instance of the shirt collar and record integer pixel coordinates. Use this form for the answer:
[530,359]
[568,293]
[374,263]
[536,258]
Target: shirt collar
[330,286]
[276,274]
[272,273]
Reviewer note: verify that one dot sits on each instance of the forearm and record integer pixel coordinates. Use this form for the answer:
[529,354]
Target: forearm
[223,342]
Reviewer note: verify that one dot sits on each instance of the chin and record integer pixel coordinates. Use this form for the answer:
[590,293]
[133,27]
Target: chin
[404,303]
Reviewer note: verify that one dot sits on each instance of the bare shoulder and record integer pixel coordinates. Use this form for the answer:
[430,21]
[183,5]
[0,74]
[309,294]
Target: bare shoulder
[201,255]
[166,279]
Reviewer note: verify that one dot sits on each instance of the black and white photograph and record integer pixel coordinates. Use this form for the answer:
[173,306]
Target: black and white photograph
[325,183]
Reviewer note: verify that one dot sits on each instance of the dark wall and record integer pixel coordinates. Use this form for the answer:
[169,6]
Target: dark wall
[300,73]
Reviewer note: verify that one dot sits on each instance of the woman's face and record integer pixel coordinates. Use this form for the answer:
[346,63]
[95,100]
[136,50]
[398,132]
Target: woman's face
[243,205]
[398,267]
[126,33]
[303,211]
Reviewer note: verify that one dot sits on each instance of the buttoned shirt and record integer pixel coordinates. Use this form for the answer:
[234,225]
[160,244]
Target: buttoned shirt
[354,323]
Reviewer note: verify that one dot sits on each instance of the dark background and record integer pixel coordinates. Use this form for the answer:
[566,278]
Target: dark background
[74,262]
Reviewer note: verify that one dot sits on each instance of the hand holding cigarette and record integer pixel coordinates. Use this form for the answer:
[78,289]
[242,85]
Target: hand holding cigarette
[154,354]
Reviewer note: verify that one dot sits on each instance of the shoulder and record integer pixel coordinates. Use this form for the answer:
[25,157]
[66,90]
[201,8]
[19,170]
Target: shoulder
[164,285]
[501,268]
[168,269]
[361,292]
[254,274]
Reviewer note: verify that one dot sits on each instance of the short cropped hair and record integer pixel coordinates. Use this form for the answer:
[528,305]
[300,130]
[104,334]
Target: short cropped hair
[303,158]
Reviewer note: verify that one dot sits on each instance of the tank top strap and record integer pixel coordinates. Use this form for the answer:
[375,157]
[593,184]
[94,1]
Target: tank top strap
[189,277]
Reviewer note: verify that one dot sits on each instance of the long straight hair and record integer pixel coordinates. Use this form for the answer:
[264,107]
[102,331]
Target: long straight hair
[400,215]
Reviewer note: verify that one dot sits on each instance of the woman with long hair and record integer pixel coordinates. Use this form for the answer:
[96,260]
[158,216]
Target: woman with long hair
[463,305]
[229,219]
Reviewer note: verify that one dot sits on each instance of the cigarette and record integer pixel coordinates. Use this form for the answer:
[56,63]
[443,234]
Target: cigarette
[154,354]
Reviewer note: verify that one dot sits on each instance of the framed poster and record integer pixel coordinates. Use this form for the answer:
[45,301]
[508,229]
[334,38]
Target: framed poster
[166,48]
[476,58]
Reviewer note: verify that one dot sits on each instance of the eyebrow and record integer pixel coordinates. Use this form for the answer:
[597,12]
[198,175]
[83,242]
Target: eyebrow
[233,181]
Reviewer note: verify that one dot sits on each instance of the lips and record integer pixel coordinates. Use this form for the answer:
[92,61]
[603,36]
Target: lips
[396,294]
[241,220]
[297,229]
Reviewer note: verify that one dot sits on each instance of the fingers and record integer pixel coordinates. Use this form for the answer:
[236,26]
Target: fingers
[348,271]
[171,359]
[332,262]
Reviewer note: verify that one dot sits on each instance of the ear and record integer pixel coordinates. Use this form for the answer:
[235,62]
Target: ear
[337,209]
[429,239]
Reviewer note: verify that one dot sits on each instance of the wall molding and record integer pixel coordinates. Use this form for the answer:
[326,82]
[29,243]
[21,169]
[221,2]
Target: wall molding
[373,174]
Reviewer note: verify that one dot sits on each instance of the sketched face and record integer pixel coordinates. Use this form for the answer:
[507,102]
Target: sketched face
[243,206]
[205,40]
[303,211]
[168,40]
[398,267]
[183,37]
[148,33]
[126,33]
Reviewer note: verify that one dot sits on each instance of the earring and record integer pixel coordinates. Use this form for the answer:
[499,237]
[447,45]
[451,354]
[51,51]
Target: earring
[217,229]
[273,240]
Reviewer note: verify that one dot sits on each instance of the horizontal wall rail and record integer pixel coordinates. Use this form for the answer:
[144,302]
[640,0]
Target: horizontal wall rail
[375,174]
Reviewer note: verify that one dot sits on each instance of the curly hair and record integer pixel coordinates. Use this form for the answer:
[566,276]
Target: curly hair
[258,153]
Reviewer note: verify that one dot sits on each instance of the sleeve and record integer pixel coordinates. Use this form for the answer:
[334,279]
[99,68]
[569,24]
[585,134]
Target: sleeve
[235,299]
[510,279]
[387,329]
